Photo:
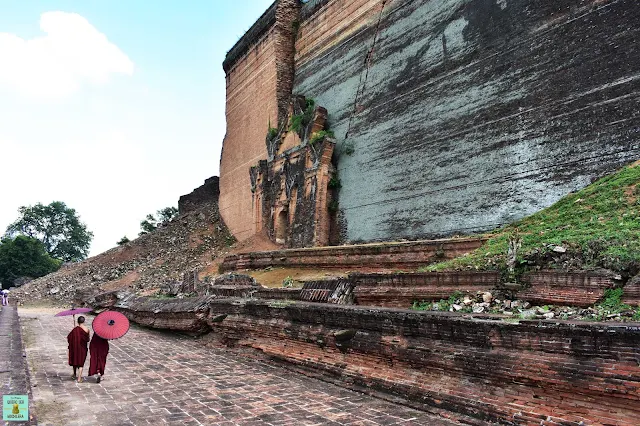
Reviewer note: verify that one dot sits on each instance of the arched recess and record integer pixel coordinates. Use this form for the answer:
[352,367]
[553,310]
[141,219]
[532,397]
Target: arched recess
[282,224]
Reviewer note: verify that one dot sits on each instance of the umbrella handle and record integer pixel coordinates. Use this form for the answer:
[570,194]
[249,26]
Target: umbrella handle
[74,320]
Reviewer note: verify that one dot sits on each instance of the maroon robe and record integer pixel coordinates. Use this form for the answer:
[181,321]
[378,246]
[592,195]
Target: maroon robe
[78,339]
[99,348]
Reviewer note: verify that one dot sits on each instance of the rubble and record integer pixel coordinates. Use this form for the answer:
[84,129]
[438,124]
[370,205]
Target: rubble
[482,303]
[166,260]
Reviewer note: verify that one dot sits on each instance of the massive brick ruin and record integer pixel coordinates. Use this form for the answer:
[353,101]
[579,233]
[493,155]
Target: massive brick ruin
[450,116]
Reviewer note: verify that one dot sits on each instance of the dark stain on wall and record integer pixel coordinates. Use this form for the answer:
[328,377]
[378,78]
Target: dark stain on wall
[476,113]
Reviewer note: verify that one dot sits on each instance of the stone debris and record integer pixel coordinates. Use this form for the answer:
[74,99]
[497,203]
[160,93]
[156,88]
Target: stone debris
[165,261]
[487,304]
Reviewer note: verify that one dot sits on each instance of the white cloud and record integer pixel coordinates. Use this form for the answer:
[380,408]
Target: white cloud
[72,53]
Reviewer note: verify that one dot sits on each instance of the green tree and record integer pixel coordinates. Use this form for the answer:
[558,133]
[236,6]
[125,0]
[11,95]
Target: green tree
[162,216]
[57,226]
[124,240]
[24,257]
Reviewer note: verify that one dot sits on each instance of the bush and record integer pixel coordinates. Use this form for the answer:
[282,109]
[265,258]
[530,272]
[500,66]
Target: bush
[124,240]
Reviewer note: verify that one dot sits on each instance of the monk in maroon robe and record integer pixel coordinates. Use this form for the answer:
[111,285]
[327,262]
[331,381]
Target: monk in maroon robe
[99,349]
[78,339]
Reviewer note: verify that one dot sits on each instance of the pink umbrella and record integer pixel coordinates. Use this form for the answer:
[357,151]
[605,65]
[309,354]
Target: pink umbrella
[74,312]
[110,325]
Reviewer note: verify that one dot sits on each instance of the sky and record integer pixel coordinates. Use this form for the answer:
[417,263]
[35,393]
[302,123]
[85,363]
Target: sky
[114,107]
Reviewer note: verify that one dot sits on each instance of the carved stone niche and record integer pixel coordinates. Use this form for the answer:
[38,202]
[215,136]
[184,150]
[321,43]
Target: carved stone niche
[291,193]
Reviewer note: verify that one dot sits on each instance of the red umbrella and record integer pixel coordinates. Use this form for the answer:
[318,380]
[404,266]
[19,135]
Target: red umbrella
[74,312]
[110,325]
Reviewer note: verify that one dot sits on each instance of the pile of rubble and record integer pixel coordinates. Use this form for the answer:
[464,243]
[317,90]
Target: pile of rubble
[170,256]
[501,304]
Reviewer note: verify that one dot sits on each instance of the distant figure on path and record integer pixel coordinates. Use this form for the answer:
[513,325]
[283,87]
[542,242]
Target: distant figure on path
[5,297]
[78,339]
[99,349]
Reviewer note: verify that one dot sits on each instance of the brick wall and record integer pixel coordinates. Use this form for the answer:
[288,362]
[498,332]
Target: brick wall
[203,194]
[571,288]
[453,123]
[251,104]
[532,373]
[462,115]
[394,255]
[287,12]
[401,290]
[323,26]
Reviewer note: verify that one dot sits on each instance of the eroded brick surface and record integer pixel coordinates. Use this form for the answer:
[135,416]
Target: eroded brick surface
[571,288]
[162,378]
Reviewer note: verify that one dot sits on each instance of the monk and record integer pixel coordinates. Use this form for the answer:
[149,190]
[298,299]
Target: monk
[99,349]
[78,339]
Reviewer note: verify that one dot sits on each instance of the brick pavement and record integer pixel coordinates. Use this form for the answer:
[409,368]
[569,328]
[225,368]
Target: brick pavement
[13,369]
[162,378]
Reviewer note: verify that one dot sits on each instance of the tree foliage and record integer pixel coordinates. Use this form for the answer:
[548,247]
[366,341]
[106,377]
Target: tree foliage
[57,226]
[162,217]
[124,240]
[24,257]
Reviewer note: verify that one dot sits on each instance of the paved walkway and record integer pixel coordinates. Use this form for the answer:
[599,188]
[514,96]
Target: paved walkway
[13,368]
[162,378]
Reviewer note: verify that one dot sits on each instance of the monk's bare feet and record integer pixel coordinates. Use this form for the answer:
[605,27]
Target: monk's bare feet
[80,379]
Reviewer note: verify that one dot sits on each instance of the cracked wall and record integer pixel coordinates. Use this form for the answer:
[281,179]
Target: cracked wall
[460,116]
[451,116]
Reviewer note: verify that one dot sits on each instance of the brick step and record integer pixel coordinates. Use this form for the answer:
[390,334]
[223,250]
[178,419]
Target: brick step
[397,255]
[401,290]
[581,288]
[550,287]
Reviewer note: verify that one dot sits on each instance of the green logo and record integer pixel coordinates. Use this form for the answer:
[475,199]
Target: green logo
[15,408]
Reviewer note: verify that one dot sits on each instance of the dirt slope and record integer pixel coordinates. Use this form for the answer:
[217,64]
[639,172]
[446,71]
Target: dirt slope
[191,243]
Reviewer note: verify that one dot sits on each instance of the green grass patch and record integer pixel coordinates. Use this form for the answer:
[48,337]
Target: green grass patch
[319,136]
[599,224]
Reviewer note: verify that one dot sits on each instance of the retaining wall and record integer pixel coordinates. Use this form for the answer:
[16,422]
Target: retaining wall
[412,254]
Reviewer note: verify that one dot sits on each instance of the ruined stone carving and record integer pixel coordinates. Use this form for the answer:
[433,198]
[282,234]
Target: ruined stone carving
[291,188]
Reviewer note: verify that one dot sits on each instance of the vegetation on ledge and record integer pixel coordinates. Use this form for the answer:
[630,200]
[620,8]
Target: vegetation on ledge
[597,227]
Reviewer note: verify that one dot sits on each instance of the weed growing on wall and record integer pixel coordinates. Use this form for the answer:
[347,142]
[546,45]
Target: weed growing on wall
[299,122]
[334,183]
[349,149]
[319,136]
[287,282]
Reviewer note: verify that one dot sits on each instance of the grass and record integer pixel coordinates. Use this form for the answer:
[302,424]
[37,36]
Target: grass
[319,136]
[600,224]
[612,304]
[443,305]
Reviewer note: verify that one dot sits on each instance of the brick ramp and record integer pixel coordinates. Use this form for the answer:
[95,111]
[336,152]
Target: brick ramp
[14,375]
[399,255]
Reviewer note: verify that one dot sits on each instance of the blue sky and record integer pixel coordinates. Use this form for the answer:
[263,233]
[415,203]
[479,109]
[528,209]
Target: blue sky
[114,107]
